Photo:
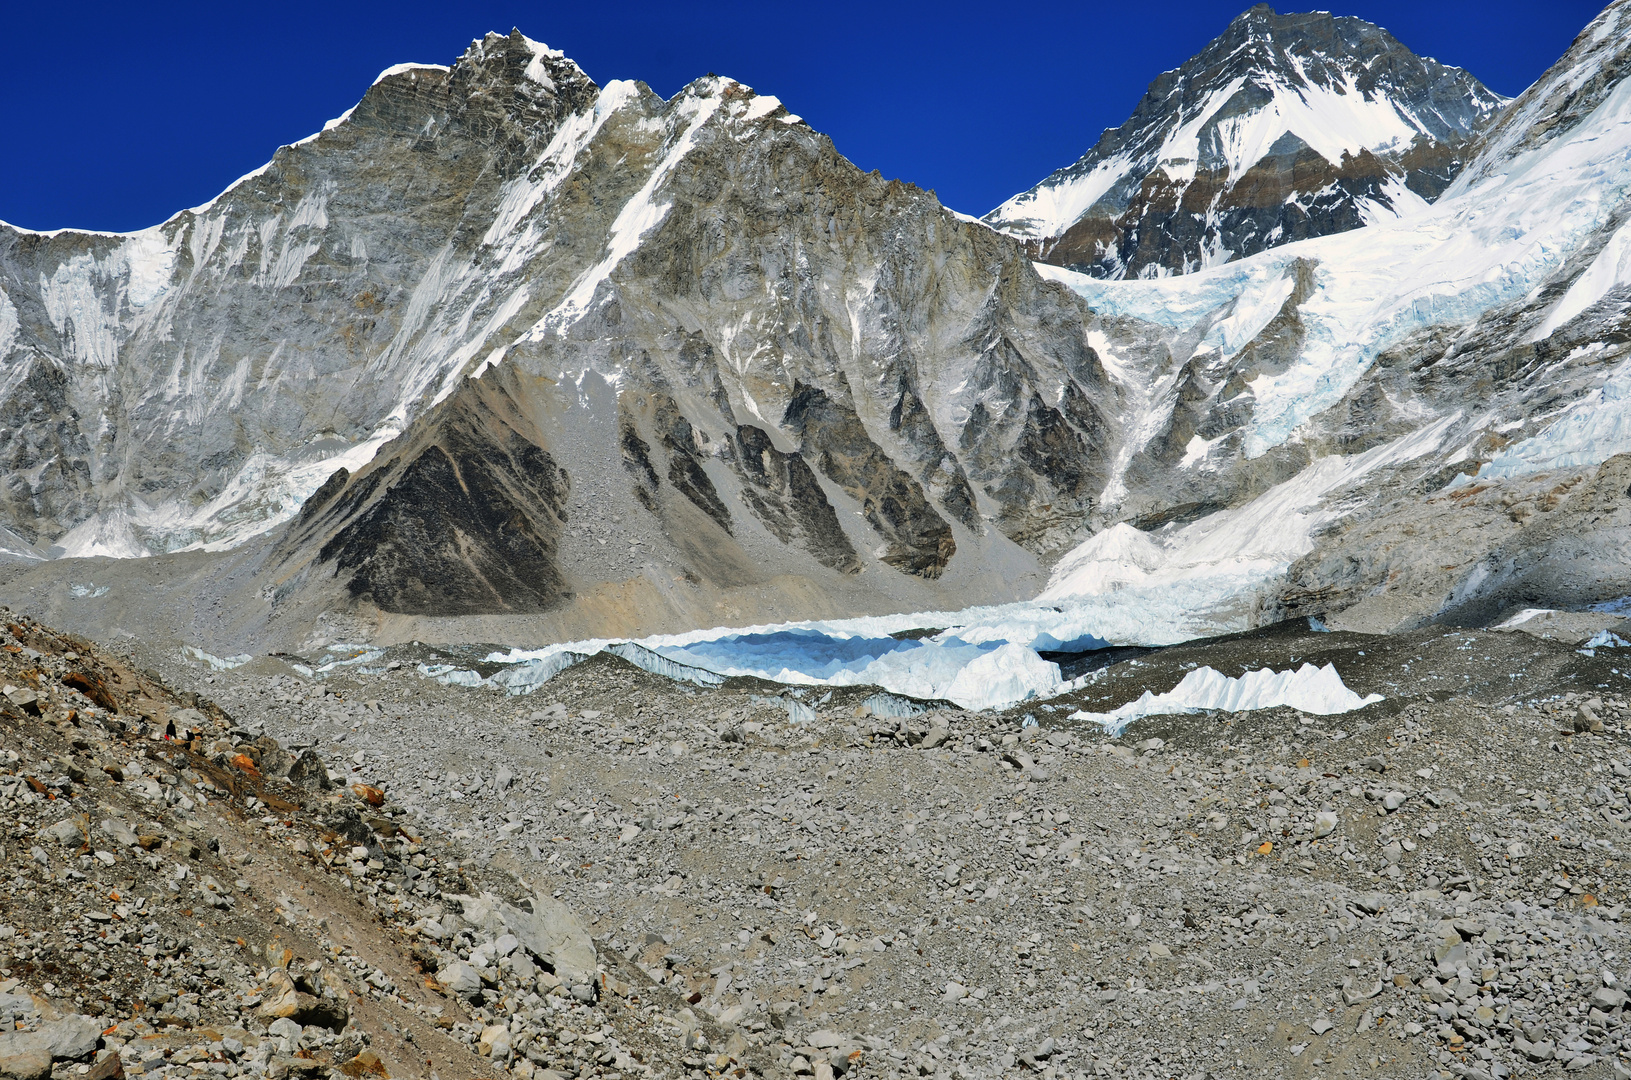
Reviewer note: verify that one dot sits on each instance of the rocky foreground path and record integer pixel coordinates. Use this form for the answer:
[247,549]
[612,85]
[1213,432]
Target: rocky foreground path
[1434,885]
[183,897]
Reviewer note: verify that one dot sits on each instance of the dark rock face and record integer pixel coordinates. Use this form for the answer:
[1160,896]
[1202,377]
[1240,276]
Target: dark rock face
[461,518]
[920,541]
[782,491]
[1283,128]
[685,470]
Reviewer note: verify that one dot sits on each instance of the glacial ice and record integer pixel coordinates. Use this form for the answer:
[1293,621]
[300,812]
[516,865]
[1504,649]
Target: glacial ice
[1122,586]
[888,705]
[528,676]
[1589,431]
[215,663]
[1486,242]
[992,674]
[1603,639]
[1310,689]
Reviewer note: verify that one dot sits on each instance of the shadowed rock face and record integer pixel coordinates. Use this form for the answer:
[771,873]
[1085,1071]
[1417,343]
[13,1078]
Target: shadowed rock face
[461,518]
[685,470]
[919,540]
[782,491]
[450,539]
[1283,128]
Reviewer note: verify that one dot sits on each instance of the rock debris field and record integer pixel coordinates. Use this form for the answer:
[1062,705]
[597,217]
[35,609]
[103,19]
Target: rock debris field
[1431,886]
[183,897]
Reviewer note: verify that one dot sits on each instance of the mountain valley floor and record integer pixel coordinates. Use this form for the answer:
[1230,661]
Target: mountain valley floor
[1433,885]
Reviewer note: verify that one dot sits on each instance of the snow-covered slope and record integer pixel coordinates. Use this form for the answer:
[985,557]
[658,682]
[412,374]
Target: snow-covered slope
[1284,127]
[1496,236]
[1479,335]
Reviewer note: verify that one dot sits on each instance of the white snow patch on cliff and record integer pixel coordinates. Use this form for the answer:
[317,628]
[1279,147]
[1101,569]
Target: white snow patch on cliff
[1608,271]
[267,490]
[1118,556]
[89,328]
[150,259]
[12,371]
[330,125]
[761,105]
[8,326]
[1332,120]
[1588,432]
[537,70]
[108,535]
[639,216]
[403,69]
[1053,206]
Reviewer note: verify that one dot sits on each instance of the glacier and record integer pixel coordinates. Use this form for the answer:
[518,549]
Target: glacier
[994,673]
[1489,240]
[1496,235]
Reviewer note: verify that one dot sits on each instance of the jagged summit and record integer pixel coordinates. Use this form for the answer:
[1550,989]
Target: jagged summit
[1283,127]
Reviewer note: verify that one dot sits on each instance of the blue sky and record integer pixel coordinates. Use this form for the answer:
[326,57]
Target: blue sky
[119,115]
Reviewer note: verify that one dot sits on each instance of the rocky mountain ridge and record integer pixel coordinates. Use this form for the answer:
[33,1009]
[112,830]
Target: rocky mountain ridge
[695,309]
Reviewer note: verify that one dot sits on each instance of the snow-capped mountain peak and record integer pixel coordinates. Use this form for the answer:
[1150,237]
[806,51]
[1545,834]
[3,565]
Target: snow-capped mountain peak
[1284,127]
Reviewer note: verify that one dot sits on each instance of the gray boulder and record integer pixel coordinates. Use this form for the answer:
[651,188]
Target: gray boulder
[68,1039]
[551,931]
[117,831]
[309,772]
[66,831]
[460,978]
